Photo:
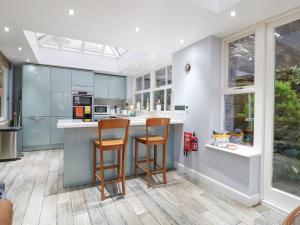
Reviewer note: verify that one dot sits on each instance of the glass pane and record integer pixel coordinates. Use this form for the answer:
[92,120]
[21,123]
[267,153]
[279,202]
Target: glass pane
[241,62]
[138,101]
[239,117]
[169,99]
[286,159]
[71,44]
[92,48]
[159,100]
[169,74]
[146,81]
[139,84]
[146,101]
[160,77]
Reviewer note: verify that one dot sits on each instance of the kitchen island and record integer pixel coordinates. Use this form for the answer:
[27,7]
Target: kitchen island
[78,148]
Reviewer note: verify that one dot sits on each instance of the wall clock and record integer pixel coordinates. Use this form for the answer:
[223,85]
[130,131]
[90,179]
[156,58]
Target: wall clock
[187,67]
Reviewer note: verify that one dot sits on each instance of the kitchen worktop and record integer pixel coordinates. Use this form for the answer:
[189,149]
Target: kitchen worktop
[134,121]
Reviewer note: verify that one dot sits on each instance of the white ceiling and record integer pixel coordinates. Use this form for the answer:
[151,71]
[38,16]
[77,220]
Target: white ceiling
[163,23]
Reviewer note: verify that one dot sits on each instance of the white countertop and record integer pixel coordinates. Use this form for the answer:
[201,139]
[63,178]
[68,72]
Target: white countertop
[134,121]
[241,151]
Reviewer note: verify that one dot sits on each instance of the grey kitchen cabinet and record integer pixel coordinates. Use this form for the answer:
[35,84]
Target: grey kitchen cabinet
[101,85]
[117,87]
[36,91]
[36,131]
[82,78]
[61,92]
[109,87]
[57,134]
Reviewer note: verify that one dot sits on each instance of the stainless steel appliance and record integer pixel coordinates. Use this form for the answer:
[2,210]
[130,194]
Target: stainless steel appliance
[82,105]
[101,110]
[10,143]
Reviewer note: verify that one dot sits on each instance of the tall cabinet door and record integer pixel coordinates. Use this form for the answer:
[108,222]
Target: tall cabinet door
[61,99]
[36,91]
[117,87]
[36,131]
[101,84]
[82,78]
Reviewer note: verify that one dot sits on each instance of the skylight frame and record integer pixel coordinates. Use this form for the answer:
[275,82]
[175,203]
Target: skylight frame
[79,46]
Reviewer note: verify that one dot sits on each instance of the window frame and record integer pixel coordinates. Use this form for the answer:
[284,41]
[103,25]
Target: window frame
[226,90]
[153,88]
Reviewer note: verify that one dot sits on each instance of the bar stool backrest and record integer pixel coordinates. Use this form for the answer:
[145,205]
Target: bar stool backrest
[293,218]
[113,124]
[158,122]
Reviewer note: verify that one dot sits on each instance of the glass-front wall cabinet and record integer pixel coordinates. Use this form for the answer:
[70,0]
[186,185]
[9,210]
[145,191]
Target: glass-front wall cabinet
[153,91]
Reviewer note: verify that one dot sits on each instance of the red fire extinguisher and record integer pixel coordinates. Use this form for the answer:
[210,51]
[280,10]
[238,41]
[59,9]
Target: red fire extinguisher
[190,142]
[194,142]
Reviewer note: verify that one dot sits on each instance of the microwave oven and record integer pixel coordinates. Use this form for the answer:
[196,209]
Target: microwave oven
[101,110]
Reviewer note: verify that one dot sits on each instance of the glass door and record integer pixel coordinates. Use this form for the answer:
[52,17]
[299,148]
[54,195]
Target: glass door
[282,136]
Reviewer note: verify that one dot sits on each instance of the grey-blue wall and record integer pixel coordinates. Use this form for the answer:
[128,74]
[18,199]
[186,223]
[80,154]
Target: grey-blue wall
[200,89]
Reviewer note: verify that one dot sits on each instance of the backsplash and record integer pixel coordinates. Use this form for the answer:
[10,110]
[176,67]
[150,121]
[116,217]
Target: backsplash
[111,102]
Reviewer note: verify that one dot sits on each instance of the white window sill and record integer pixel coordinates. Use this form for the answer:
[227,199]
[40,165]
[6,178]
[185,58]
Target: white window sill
[243,151]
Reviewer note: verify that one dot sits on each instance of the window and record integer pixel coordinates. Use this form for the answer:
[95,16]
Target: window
[155,89]
[241,62]
[239,95]
[80,46]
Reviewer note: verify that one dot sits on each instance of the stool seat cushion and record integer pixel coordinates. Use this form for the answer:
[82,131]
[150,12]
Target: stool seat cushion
[6,212]
[150,139]
[108,143]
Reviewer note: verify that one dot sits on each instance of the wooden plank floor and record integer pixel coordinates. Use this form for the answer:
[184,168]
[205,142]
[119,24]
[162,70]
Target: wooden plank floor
[35,185]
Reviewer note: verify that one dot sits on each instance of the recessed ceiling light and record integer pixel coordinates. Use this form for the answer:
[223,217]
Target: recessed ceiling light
[181,41]
[154,56]
[71,12]
[19,48]
[6,29]
[136,65]
[233,13]
[137,29]
[27,60]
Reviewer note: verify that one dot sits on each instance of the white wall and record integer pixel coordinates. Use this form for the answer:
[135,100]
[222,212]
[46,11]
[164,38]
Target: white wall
[200,89]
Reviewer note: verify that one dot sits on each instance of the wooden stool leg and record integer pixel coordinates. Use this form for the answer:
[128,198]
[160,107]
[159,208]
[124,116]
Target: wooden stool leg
[155,157]
[164,163]
[136,152]
[101,175]
[123,169]
[119,164]
[149,166]
[94,164]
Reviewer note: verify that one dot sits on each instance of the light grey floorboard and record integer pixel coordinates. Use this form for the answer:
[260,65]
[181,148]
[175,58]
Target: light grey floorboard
[35,186]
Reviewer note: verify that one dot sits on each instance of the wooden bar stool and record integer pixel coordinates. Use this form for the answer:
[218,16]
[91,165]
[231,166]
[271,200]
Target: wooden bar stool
[149,141]
[109,145]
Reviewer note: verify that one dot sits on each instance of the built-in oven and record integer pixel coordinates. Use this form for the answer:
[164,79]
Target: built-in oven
[82,105]
[101,110]
[82,100]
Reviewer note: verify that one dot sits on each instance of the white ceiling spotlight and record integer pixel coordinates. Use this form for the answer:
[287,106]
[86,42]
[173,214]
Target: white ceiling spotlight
[154,56]
[20,48]
[182,41]
[232,13]
[136,65]
[71,12]
[137,29]
[27,60]
[6,29]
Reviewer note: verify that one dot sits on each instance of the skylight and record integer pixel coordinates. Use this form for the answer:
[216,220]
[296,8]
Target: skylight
[68,44]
